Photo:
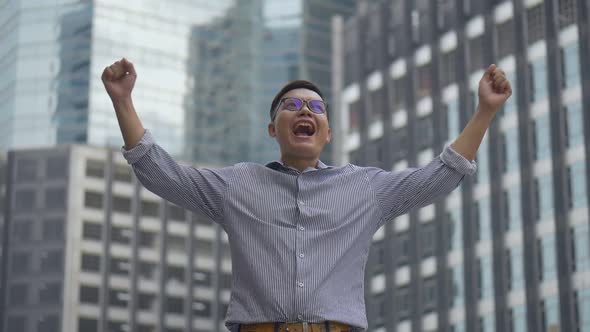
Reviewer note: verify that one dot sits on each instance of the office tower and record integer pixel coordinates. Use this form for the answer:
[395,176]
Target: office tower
[284,41]
[509,250]
[89,249]
[52,55]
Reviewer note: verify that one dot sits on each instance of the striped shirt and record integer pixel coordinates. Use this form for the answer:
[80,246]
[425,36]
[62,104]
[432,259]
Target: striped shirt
[299,240]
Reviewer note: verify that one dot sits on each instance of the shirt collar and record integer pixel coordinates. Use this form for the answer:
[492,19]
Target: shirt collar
[279,164]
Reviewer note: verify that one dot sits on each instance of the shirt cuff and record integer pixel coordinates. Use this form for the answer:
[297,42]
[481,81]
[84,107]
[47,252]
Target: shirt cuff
[138,151]
[454,160]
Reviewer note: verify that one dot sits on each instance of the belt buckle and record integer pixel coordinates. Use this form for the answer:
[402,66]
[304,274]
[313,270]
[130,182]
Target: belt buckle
[305,326]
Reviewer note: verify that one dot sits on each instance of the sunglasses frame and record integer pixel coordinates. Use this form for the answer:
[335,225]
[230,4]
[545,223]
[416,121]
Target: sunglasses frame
[304,102]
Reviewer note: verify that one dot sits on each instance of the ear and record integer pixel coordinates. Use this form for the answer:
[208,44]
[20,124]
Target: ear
[329,137]
[272,131]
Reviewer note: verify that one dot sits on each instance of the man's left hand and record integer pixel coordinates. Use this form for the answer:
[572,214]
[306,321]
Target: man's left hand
[494,89]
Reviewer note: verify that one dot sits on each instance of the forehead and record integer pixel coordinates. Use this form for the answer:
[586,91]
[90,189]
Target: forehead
[303,94]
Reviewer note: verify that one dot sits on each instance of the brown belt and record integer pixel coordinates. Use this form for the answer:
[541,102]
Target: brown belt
[295,327]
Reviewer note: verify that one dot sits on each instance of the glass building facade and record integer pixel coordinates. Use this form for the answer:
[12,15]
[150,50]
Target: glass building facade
[52,56]
[266,44]
[511,244]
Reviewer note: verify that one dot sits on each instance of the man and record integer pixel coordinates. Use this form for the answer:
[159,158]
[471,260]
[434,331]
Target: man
[299,230]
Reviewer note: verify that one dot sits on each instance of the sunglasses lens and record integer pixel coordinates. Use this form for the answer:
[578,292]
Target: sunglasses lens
[292,104]
[317,106]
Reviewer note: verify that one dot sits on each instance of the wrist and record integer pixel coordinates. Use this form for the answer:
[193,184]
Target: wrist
[486,110]
[122,102]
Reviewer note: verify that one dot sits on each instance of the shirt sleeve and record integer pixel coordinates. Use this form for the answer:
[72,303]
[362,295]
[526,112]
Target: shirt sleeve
[398,192]
[199,190]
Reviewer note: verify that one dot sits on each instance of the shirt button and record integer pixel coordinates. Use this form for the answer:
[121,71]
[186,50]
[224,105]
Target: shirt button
[300,317]
[301,202]
[301,255]
[300,284]
[301,228]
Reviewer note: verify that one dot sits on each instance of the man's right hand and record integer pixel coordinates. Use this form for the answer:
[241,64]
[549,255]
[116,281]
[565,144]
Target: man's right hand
[119,79]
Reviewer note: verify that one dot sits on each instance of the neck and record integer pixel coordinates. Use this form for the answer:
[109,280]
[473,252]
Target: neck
[299,163]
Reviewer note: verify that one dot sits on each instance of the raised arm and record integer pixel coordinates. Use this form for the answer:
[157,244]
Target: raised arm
[119,80]
[494,90]
[199,190]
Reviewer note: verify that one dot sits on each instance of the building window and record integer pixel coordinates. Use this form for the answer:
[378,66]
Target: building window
[26,170]
[547,263]
[581,247]
[424,81]
[118,298]
[95,168]
[428,239]
[448,65]
[544,197]
[424,132]
[403,248]
[457,286]
[176,243]
[93,200]
[53,229]
[201,308]
[485,274]
[22,231]
[505,37]
[21,262]
[92,231]
[511,147]
[550,314]
[16,323]
[121,235]
[90,263]
[175,305]
[25,200]
[150,209]
[146,301]
[50,293]
[121,204]
[175,273]
[577,185]
[574,125]
[120,266]
[455,229]
[123,173]
[87,324]
[176,212]
[354,117]
[52,261]
[536,23]
[538,79]
[567,13]
[18,295]
[429,295]
[582,308]
[55,198]
[57,167]
[147,239]
[49,323]
[476,47]
[518,319]
[516,268]
[570,64]
[89,294]
[398,94]
[147,270]
[402,302]
[203,278]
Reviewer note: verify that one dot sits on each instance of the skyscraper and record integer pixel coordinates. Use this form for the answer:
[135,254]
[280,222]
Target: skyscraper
[288,41]
[86,248]
[510,249]
[52,56]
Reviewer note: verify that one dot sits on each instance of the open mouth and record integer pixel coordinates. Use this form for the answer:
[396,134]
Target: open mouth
[304,129]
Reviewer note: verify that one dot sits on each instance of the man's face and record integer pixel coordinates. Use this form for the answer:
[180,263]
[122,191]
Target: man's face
[300,134]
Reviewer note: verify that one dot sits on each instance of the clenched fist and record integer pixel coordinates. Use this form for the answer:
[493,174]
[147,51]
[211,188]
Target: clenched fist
[119,79]
[494,89]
